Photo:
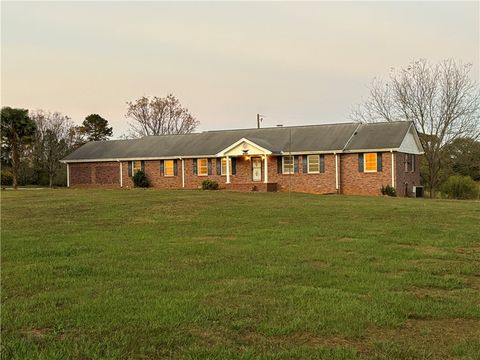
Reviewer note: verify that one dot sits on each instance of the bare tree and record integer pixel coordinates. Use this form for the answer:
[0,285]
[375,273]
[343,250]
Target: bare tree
[159,116]
[52,140]
[442,100]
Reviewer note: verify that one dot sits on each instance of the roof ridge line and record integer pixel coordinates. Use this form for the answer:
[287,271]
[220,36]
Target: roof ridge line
[281,127]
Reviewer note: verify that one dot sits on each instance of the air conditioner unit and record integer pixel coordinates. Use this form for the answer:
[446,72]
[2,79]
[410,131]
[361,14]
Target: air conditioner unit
[418,191]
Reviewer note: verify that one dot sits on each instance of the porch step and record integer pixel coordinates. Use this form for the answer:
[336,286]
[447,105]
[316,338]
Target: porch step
[252,186]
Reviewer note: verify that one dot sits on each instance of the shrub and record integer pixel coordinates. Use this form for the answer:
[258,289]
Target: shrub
[209,185]
[460,187]
[388,190]
[7,177]
[140,179]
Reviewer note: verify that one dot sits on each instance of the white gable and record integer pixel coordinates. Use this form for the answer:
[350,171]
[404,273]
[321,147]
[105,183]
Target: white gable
[244,147]
[411,143]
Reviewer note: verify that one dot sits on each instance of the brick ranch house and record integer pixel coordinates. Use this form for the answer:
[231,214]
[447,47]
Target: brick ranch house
[345,158]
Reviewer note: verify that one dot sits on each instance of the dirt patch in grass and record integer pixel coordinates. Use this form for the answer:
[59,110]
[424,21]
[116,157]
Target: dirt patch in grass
[424,249]
[429,292]
[473,282]
[435,337]
[431,250]
[472,252]
[38,333]
[210,338]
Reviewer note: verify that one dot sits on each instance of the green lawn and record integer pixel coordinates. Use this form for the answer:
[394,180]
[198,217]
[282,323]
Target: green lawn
[147,274]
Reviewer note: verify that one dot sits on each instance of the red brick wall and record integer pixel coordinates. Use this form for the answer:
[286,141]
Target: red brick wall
[192,181]
[405,180]
[353,182]
[106,174]
[316,183]
[322,183]
[80,174]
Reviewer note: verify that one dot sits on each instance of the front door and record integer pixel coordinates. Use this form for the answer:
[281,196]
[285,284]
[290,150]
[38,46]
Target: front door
[257,169]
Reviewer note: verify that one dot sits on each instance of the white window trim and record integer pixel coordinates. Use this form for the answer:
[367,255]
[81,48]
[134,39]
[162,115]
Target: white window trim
[413,162]
[165,168]
[365,163]
[283,165]
[224,173]
[198,167]
[308,164]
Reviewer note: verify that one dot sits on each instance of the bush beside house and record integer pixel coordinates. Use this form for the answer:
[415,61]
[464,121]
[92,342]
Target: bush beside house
[209,185]
[460,187]
[140,180]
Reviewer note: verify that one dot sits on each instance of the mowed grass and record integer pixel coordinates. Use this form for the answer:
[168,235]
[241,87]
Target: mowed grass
[148,274]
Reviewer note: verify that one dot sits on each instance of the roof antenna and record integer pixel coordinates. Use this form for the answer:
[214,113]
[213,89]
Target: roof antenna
[259,120]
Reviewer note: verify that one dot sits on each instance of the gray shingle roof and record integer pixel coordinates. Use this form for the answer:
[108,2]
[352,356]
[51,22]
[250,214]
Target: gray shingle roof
[321,138]
[379,136]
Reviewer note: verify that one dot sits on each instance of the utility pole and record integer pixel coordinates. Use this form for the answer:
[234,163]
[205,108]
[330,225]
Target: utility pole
[259,120]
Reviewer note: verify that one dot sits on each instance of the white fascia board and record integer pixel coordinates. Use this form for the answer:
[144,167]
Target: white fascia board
[310,152]
[370,150]
[139,158]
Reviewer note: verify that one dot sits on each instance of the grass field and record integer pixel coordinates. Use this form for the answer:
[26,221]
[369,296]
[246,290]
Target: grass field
[144,274]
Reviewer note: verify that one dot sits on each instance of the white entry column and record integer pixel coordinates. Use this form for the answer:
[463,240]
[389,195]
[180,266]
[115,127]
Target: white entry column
[393,168]
[121,174]
[68,175]
[228,169]
[337,177]
[266,168]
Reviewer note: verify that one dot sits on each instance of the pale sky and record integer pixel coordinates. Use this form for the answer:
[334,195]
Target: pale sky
[296,63]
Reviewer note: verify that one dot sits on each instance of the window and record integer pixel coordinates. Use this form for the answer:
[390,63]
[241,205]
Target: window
[313,164]
[287,165]
[409,162]
[224,166]
[168,169]
[202,167]
[370,162]
[137,166]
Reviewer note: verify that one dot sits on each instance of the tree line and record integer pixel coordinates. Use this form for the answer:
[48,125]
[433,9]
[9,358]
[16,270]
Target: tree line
[34,141]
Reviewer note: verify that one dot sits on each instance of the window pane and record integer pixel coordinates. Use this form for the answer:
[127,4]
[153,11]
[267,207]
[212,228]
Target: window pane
[288,164]
[224,166]
[313,163]
[202,167]
[137,166]
[168,168]
[370,162]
